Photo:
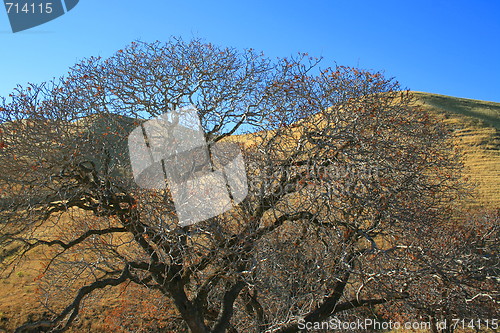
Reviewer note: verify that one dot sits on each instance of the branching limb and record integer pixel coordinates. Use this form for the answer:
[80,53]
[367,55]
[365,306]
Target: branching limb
[73,309]
[227,307]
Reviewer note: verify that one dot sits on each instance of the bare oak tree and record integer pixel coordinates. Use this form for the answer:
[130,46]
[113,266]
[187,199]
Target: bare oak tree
[345,176]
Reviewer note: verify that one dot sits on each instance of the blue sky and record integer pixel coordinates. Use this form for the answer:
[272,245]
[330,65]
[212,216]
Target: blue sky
[448,47]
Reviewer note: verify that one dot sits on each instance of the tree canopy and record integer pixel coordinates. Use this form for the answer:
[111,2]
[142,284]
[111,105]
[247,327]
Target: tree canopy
[352,192]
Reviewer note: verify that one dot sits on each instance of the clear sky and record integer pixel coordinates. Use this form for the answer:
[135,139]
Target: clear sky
[449,47]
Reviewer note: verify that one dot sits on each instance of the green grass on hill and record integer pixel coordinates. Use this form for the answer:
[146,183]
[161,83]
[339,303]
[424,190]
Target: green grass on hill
[488,112]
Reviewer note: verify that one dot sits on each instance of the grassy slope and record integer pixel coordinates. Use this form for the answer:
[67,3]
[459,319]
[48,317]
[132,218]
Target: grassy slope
[476,131]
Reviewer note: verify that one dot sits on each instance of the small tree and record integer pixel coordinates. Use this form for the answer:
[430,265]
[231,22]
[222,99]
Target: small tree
[344,173]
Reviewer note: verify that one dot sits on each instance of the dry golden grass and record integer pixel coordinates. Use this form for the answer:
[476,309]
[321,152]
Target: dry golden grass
[476,131]
[475,126]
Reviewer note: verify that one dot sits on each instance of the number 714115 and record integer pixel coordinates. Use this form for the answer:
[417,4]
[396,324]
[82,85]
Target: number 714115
[41,8]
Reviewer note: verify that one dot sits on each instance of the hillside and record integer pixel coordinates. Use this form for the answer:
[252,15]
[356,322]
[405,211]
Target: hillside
[476,130]
[475,126]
